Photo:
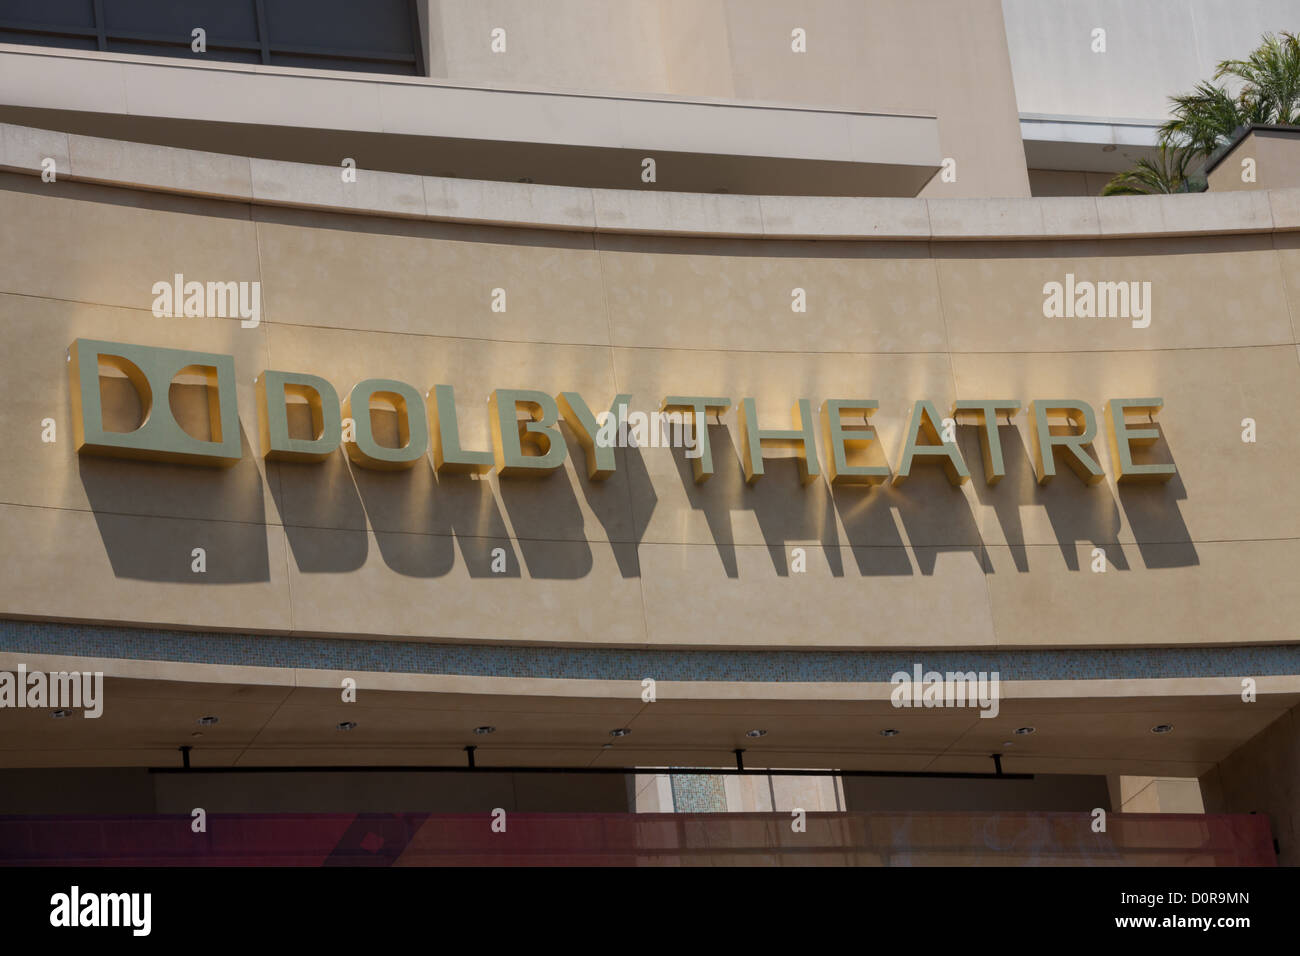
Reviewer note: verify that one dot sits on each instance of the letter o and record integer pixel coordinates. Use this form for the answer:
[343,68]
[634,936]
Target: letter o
[412,425]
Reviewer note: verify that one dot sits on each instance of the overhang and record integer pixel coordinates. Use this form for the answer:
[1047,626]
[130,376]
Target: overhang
[1106,145]
[419,125]
[286,717]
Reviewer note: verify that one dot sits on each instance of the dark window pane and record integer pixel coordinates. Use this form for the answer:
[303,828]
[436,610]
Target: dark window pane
[313,34]
[183,50]
[337,63]
[222,19]
[64,13]
[376,26]
[44,39]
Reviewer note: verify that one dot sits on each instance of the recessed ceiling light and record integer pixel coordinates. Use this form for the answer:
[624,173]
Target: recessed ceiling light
[890,732]
[485,729]
[620,731]
[60,713]
[756,733]
[1162,728]
[348,725]
[1108,148]
[1024,731]
[208,721]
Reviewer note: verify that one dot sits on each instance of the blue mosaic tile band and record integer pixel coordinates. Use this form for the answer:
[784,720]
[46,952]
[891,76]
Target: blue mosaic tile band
[406,657]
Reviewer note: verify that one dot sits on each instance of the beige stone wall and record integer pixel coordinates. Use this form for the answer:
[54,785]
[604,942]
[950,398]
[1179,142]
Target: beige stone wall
[1275,156]
[946,58]
[1156,795]
[1263,776]
[649,557]
[1067,182]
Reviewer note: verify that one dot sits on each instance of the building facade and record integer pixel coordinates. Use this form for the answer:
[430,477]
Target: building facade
[642,388]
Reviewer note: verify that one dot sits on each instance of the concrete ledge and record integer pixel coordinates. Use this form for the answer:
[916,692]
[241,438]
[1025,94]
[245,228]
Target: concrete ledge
[677,214]
[116,162]
[509,204]
[23,149]
[1187,215]
[1285,207]
[1058,218]
[832,217]
[322,187]
[525,205]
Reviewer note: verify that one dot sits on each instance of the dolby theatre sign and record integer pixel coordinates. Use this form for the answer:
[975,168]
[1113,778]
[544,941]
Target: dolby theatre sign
[526,440]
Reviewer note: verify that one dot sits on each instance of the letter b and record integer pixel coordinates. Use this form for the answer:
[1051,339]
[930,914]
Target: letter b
[509,433]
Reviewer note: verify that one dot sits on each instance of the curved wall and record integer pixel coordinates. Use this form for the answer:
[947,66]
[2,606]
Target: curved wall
[650,558]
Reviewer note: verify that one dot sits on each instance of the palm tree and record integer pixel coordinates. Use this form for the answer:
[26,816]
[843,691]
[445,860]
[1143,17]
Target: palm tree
[1167,174]
[1273,72]
[1209,116]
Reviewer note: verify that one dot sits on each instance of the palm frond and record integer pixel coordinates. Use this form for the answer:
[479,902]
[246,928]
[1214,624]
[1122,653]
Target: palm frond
[1165,174]
[1272,73]
[1206,118]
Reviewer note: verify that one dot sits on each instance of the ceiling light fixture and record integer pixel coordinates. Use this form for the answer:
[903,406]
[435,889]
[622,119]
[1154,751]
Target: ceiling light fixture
[485,729]
[1024,731]
[890,732]
[348,725]
[1162,728]
[620,731]
[208,721]
[756,733]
